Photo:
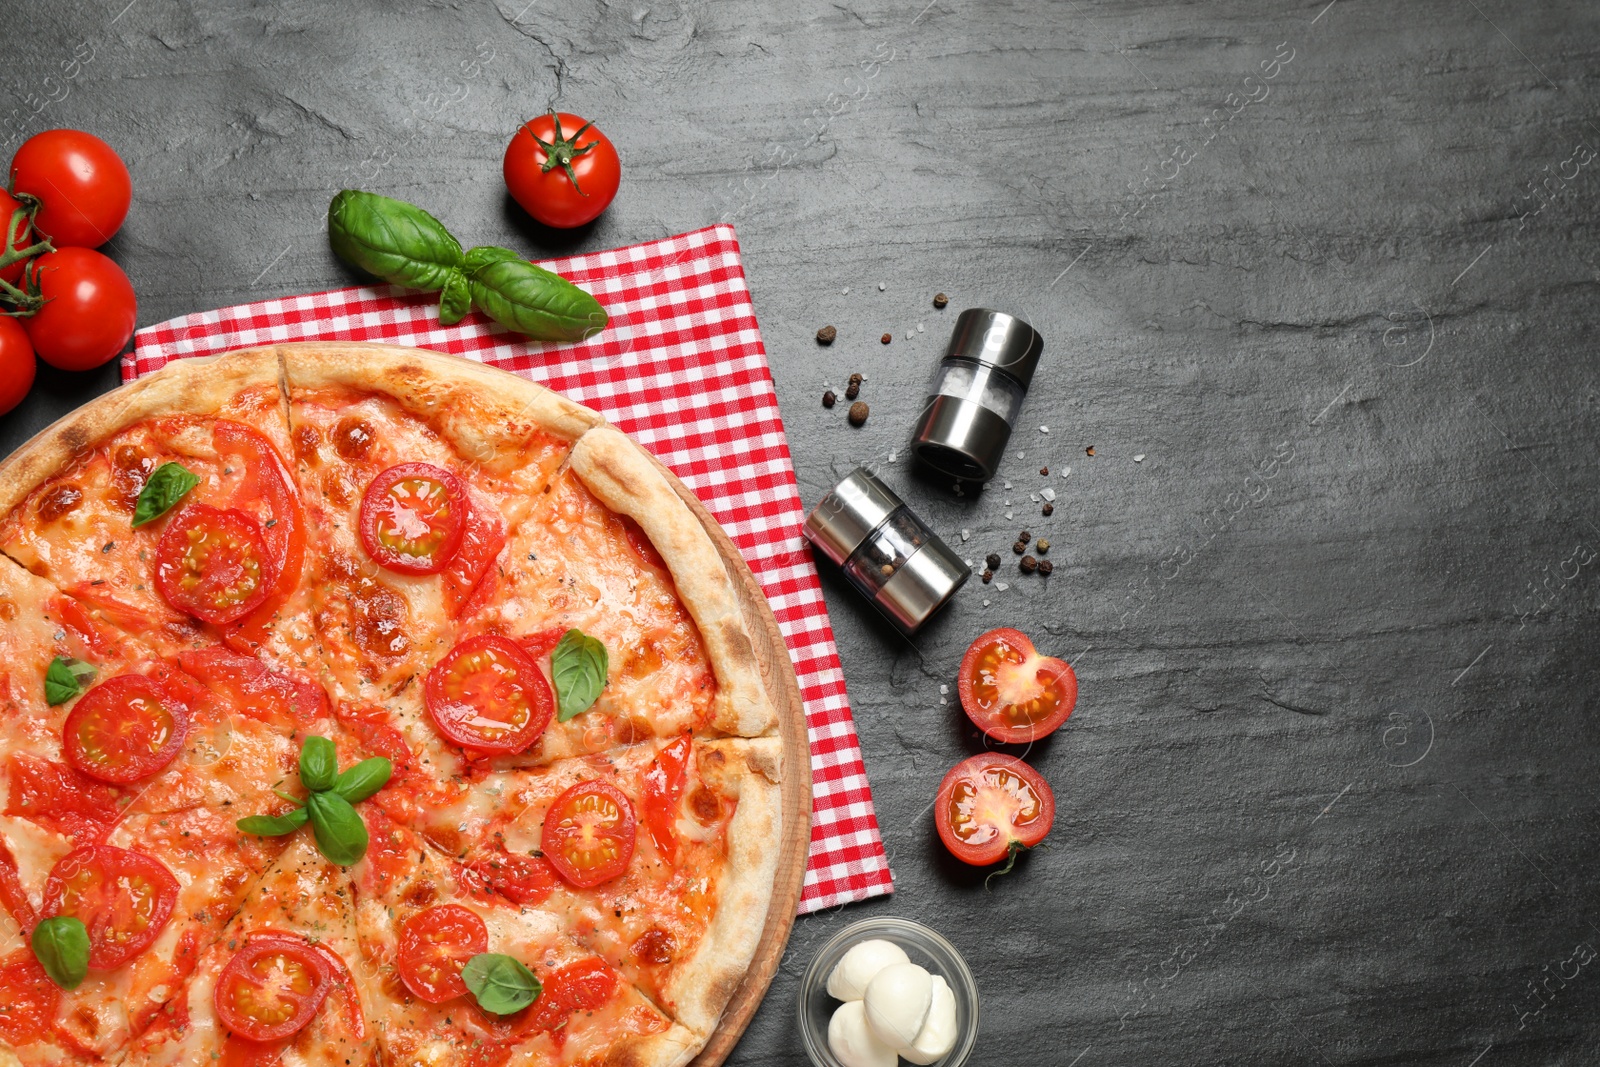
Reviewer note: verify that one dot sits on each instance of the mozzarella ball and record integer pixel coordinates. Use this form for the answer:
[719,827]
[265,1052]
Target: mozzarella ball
[849,977]
[897,1002]
[938,1034]
[852,1041]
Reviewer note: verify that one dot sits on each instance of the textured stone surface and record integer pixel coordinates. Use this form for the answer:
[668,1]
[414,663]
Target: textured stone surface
[1336,626]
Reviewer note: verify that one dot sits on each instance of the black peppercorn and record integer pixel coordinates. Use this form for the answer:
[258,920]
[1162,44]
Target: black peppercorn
[940,300]
[859,412]
[1045,566]
[1028,564]
[993,560]
[1044,471]
[1020,547]
[988,576]
[828,398]
[852,388]
[1024,536]
[1048,509]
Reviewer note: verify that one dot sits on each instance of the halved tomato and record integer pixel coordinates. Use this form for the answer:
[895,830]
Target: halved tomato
[124,729]
[991,806]
[663,790]
[487,695]
[271,988]
[412,518]
[588,834]
[124,898]
[1012,693]
[435,945]
[213,564]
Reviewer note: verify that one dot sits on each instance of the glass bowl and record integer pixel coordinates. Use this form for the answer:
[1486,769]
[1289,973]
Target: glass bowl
[924,947]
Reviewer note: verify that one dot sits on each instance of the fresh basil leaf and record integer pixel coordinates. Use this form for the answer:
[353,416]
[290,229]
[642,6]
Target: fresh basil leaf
[501,984]
[167,486]
[340,833]
[536,302]
[61,945]
[364,779]
[578,667]
[455,300]
[393,240]
[483,255]
[319,763]
[65,679]
[274,825]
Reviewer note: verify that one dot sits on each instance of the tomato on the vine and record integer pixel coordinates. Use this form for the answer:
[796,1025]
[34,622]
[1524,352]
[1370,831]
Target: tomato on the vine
[1012,693]
[9,206]
[991,806]
[89,309]
[562,170]
[17,366]
[81,183]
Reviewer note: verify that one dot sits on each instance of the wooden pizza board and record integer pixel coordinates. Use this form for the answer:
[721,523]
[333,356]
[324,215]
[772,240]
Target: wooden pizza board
[783,689]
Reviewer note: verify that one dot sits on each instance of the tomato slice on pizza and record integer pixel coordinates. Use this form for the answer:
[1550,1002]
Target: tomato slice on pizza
[124,899]
[488,695]
[124,729]
[588,833]
[434,947]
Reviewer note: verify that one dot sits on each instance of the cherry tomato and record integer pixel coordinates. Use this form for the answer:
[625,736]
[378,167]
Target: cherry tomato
[81,182]
[588,834]
[124,729]
[30,999]
[663,790]
[991,806]
[582,986]
[1012,693]
[267,482]
[525,880]
[213,564]
[271,988]
[20,234]
[17,365]
[124,898]
[562,170]
[89,312]
[254,688]
[434,946]
[487,695]
[482,538]
[412,518]
[59,797]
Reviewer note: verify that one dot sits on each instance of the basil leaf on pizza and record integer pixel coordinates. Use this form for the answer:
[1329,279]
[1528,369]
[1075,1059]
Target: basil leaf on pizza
[65,679]
[319,764]
[578,667]
[169,484]
[341,835]
[501,984]
[364,779]
[61,945]
[274,825]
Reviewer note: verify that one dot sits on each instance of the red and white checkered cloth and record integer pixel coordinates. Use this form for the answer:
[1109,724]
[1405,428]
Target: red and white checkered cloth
[680,368]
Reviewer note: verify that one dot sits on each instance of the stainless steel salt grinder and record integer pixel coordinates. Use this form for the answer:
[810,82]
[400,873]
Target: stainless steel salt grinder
[975,394]
[887,553]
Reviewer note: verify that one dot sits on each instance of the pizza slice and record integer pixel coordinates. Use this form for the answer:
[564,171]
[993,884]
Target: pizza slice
[173,511]
[413,467]
[659,857]
[278,985]
[423,916]
[123,778]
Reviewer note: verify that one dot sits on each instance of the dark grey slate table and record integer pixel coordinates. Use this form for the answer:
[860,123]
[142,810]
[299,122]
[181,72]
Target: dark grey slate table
[1319,286]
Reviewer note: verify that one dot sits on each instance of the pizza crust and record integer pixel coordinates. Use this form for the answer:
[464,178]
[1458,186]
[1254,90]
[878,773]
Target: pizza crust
[701,986]
[486,413]
[198,386]
[624,479]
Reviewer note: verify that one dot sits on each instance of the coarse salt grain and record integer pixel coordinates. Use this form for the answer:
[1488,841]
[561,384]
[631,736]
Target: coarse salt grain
[894,454]
[1048,494]
[1033,497]
[882,286]
[1022,455]
[1001,587]
[845,291]
[966,534]
[1139,458]
[985,601]
[919,327]
[1008,485]
[1008,513]
[943,689]
[1044,429]
[1065,471]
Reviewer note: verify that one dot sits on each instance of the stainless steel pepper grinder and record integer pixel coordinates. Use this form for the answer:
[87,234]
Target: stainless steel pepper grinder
[976,393]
